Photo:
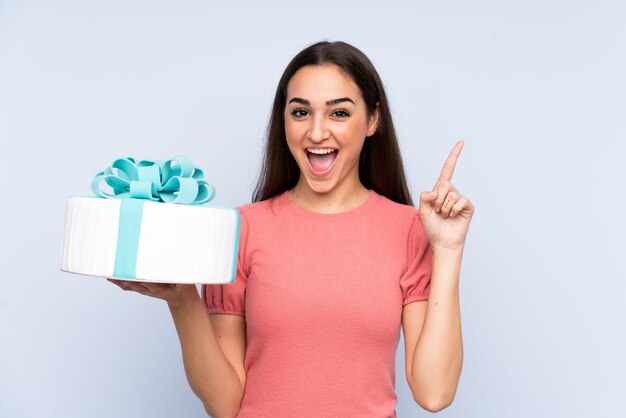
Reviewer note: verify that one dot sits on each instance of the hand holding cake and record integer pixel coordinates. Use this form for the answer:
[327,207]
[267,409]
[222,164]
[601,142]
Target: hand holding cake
[174,294]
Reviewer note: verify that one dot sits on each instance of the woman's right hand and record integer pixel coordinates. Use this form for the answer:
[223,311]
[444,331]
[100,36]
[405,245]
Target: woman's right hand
[174,294]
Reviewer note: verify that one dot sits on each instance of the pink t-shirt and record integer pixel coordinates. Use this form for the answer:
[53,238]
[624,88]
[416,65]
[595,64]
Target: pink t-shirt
[322,295]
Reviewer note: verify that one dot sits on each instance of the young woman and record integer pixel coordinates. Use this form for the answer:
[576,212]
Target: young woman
[333,260]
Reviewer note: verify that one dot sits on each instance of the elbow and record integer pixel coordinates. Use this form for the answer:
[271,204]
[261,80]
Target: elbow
[434,404]
[225,408]
[433,394]
[220,405]
[220,414]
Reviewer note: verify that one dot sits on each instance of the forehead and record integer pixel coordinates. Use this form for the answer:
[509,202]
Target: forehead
[322,83]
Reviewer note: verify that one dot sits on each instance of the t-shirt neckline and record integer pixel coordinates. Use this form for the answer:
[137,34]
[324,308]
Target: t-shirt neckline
[372,198]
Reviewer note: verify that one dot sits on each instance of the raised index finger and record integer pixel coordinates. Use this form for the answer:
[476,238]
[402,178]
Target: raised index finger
[450,164]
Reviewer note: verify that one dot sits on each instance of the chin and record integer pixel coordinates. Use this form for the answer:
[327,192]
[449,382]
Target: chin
[324,188]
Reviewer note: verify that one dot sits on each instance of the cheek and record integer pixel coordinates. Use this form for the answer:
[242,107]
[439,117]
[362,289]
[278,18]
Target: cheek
[291,131]
[288,131]
[352,133]
[293,142]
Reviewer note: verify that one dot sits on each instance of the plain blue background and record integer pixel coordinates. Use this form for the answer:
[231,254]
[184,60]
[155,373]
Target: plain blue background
[535,88]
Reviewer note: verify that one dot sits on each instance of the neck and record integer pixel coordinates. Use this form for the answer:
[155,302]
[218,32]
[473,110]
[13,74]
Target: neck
[340,199]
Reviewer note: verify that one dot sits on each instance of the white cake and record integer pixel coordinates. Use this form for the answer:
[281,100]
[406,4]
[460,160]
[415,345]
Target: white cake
[172,243]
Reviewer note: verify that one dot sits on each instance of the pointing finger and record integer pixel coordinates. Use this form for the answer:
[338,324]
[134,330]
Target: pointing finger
[450,164]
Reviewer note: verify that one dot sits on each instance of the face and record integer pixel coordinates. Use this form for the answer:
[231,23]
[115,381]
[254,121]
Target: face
[326,124]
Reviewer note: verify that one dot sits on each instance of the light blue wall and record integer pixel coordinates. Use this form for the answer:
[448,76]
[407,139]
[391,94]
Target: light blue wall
[536,89]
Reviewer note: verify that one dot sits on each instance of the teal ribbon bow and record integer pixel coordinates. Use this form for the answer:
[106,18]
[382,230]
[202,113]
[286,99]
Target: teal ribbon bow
[173,181]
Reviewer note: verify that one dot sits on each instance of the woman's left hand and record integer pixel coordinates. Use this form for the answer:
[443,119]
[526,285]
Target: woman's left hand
[444,212]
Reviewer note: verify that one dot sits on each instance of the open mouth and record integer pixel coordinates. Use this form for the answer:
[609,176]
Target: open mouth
[321,159]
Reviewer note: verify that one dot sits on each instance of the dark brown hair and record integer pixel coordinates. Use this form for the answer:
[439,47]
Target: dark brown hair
[380,163]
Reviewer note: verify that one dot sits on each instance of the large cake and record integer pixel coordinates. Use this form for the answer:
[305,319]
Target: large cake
[134,234]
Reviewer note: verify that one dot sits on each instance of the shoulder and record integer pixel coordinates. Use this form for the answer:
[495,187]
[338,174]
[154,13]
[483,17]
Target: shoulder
[397,212]
[396,221]
[263,210]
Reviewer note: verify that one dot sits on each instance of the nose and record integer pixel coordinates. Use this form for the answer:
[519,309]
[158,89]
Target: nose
[318,130]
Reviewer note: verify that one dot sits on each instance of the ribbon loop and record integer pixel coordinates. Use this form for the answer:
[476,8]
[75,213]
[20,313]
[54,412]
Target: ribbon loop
[173,181]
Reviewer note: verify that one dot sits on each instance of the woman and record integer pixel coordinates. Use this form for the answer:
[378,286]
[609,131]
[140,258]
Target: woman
[333,258]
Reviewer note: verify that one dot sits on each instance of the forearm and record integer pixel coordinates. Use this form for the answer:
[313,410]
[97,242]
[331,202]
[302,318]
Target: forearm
[438,355]
[210,375]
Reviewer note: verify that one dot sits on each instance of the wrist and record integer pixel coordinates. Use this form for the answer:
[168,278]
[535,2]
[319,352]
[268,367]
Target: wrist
[448,249]
[446,267]
[186,296]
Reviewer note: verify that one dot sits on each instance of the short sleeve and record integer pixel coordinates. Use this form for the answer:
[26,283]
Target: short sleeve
[230,298]
[416,279]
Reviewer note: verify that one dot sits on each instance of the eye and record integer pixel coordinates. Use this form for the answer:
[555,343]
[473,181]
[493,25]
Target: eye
[341,113]
[299,112]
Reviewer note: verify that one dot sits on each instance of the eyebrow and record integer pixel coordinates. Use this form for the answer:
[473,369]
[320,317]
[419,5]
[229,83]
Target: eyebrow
[328,103]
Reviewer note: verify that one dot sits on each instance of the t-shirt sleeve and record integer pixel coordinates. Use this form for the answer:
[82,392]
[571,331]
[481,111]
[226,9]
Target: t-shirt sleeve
[416,279]
[230,298]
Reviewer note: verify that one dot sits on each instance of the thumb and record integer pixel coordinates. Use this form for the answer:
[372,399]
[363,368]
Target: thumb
[427,199]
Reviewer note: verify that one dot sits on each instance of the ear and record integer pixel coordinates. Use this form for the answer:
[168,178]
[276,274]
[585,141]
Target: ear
[372,124]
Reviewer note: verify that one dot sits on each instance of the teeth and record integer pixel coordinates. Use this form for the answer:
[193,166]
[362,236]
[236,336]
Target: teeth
[321,151]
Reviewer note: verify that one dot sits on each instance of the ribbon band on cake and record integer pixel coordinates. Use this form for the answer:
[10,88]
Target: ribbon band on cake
[176,181]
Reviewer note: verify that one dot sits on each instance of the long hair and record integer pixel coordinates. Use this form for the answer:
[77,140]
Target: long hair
[380,162]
